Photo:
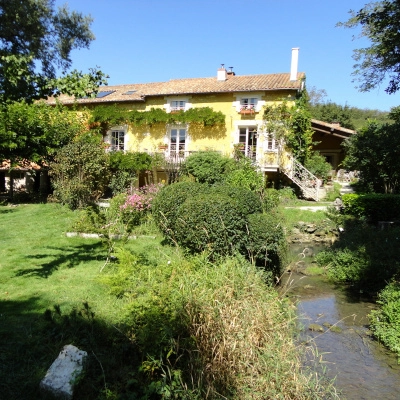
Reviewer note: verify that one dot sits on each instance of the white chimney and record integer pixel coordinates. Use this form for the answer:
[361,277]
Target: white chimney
[222,74]
[294,64]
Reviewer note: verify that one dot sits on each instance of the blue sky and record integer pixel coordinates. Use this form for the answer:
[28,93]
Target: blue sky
[140,41]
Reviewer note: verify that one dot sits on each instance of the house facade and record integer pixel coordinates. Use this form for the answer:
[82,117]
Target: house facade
[240,99]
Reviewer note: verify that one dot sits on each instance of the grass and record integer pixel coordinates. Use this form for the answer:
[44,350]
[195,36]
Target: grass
[153,319]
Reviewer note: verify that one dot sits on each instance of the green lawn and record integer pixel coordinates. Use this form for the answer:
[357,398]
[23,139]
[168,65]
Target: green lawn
[40,268]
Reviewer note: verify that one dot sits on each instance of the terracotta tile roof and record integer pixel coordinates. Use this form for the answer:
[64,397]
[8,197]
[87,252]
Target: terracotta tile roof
[139,92]
[331,128]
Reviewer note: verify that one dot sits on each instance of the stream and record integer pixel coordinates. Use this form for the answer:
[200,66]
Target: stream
[341,342]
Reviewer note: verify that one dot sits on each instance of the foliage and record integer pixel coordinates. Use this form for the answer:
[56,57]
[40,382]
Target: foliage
[331,112]
[37,41]
[349,117]
[318,166]
[271,199]
[266,241]
[364,256]
[207,166]
[379,22]
[385,322]
[125,169]
[80,173]
[246,175]
[212,223]
[104,117]
[36,131]
[181,320]
[291,124]
[371,153]
[373,207]
[247,201]
[167,203]
[138,204]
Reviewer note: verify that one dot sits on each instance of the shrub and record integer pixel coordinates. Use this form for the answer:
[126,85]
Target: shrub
[266,241]
[207,166]
[318,166]
[248,202]
[211,222]
[271,199]
[373,207]
[244,174]
[385,322]
[168,201]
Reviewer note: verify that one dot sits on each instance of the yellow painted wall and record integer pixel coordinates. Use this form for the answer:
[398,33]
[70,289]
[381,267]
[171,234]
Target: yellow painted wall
[219,138]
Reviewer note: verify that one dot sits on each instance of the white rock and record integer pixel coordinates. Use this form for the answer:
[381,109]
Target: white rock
[63,374]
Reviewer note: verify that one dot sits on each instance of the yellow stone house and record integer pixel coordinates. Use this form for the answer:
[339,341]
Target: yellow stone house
[239,99]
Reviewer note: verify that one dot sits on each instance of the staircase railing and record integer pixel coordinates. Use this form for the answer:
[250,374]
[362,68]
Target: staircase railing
[302,177]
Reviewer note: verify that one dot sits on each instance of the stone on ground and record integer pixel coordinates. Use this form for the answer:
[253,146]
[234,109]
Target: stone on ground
[64,373]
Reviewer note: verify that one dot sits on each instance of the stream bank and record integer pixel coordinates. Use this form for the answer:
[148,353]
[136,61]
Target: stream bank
[333,324]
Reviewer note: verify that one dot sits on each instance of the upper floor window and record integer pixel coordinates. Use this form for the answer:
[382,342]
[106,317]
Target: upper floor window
[177,105]
[248,103]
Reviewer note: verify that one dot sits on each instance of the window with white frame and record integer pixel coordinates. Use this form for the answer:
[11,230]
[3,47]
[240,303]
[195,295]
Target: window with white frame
[270,142]
[116,139]
[248,140]
[178,139]
[248,103]
[178,105]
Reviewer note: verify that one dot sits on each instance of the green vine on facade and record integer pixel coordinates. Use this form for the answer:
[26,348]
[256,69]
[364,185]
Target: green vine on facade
[292,125]
[105,117]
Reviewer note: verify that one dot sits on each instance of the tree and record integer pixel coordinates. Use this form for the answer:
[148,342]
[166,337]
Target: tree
[35,131]
[332,112]
[374,152]
[80,173]
[380,23]
[35,43]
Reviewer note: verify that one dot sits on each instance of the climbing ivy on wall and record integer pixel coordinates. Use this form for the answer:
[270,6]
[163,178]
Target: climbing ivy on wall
[104,117]
[292,124]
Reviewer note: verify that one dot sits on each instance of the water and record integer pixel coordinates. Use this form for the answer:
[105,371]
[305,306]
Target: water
[361,367]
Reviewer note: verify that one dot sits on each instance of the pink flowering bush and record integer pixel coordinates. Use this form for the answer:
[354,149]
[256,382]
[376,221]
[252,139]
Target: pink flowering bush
[138,204]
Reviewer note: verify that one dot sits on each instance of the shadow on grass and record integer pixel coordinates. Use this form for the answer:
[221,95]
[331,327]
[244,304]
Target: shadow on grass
[30,341]
[57,257]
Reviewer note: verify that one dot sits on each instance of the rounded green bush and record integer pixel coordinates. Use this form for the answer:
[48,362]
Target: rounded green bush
[247,201]
[167,202]
[211,222]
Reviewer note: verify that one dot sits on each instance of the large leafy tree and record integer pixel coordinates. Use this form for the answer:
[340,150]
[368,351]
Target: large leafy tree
[380,23]
[35,46]
[374,151]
